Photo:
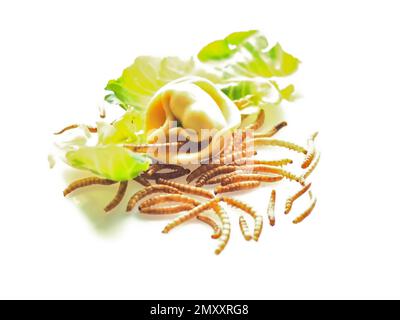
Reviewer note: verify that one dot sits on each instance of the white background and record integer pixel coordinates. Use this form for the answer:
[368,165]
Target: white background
[55,59]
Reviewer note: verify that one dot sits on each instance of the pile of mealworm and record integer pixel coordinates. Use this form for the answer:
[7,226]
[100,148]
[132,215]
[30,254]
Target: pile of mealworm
[241,172]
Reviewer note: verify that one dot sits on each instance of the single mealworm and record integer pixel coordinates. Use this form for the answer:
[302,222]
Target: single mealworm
[258,226]
[200,171]
[271,208]
[312,166]
[87,182]
[244,227]
[279,143]
[221,178]
[213,173]
[162,166]
[168,198]
[240,205]
[72,126]
[187,188]
[271,132]
[190,215]
[306,213]
[168,175]
[311,151]
[147,191]
[238,186]
[271,169]
[249,177]
[226,227]
[259,122]
[290,200]
[153,168]
[275,163]
[167,210]
[214,225]
[118,197]
[143,181]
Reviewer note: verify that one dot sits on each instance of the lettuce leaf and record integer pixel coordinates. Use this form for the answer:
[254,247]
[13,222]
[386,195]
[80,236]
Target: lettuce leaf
[112,162]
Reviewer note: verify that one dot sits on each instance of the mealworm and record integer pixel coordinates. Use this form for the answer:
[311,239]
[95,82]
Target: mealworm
[163,166]
[73,126]
[271,132]
[213,173]
[200,171]
[240,205]
[143,181]
[271,208]
[190,215]
[306,213]
[258,226]
[118,197]
[221,178]
[275,163]
[168,175]
[226,227]
[147,191]
[311,151]
[249,177]
[167,210]
[187,188]
[259,122]
[290,200]
[238,186]
[168,198]
[217,230]
[312,166]
[87,182]
[279,143]
[244,227]
[270,169]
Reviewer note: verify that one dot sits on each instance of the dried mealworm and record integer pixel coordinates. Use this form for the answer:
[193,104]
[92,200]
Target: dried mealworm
[312,166]
[118,197]
[226,228]
[238,186]
[311,151]
[259,122]
[244,227]
[234,178]
[275,163]
[72,126]
[214,225]
[271,208]
[271,169]
[87,182]
[213,173]
[306,213]
[279,143]
[167,210]
[147,191]
[168,198]
[190,215]
[290,200]
[271,132]
[200,171]
[143,181]
[258,226]
[187,188]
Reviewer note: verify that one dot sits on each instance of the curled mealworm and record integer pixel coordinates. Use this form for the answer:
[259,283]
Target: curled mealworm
[190,215]
[226,227]
[279,143]
[217,230]
[213,173]
[200,171]
[118,197]
[290,200]
[238,186]
[312,166]
[258,226]
[167,210]
[143,181]
[275,163]
[306,213]
[147,191]
[187,188]
[311,152]
[271,132]
[271,208]
[244,227]
[259,122]
[234,178]
[168,198]
[87,182]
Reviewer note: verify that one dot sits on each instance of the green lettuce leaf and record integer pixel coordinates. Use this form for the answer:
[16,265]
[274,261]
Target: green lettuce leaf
[112,162]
